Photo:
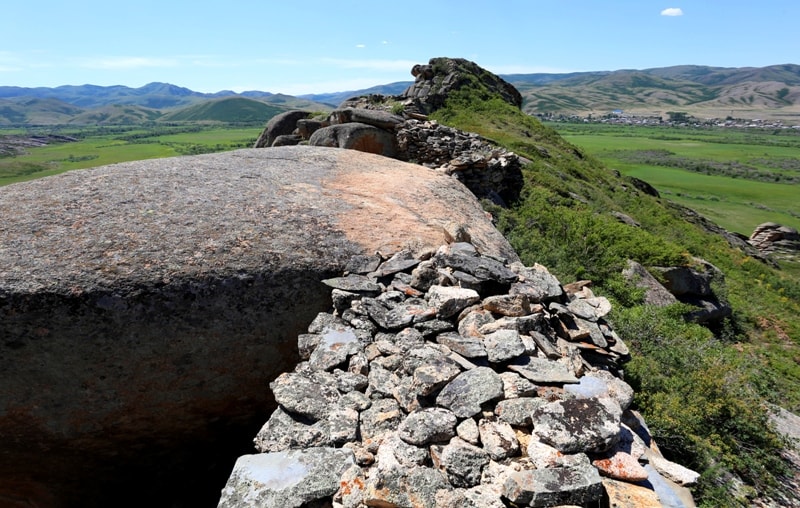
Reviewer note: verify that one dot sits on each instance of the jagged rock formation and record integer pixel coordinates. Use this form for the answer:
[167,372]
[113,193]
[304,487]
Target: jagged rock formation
[146,305]
[456,381]
[772,239]
[435,81]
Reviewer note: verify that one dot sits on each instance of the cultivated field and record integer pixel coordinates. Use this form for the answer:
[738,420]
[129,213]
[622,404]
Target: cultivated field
[737,178]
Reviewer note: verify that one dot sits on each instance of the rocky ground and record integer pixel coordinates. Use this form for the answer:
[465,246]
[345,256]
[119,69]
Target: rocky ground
[454,379]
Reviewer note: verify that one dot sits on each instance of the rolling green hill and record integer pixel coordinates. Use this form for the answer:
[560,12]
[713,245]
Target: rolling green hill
[227,110]
[36,111]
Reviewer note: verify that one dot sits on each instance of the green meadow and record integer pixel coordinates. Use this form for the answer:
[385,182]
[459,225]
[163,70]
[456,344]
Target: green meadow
[98,146]
[736,178]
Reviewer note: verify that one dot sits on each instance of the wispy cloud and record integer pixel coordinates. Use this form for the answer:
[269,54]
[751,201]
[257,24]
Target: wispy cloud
[672,11]
[361,46]
[375,65]
[126,62]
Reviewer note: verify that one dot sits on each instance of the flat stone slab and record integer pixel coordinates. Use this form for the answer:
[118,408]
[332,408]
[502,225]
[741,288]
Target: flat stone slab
[288,479]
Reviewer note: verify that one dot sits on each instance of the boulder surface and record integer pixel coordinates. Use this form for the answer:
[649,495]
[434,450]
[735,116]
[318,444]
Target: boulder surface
[147,305]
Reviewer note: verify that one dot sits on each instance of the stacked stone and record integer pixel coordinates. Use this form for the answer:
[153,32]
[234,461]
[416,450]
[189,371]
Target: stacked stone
[449,380]
[485,169]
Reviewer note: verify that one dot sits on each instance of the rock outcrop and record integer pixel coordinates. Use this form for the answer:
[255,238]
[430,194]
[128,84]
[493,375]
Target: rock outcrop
[774,240]
[146,305]
[455,380]
[435,81]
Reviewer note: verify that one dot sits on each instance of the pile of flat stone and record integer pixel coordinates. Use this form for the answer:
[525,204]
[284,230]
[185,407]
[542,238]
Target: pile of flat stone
[453,379]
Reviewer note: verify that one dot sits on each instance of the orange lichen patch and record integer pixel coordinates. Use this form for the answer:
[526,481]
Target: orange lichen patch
[348,486]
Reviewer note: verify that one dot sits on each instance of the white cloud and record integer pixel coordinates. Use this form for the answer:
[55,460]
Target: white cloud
[384,42]
[361,45]
[672,11]
[374,65]
[127,62]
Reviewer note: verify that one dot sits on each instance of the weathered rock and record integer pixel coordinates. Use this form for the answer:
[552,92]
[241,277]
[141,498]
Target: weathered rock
[433,375]
[773,239]
[384,415]
[279,125]
[507,305]
[430,425]
[515,386]
[336,345]
[374,117]
[577,485]
[304,395]
[461,461]
[449,301]
[672,471]
[578,425]
[287,140]
[518,411]
[621,466]
[482,267]
[626,495]
[537,283]
[356,136]
[503,345]
[498,439]
[655,292]
[469,347]
[441,76]
[540,370]
[282,432]
[599,384]
[400,487]
[465,394]
[468,431]
[354,282]
[165,294]
[288,479]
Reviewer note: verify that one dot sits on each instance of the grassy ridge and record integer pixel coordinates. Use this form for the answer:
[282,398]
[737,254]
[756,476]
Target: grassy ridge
[703,392]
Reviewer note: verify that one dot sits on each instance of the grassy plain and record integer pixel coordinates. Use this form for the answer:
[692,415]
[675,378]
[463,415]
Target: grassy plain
[99,146]
[695,167]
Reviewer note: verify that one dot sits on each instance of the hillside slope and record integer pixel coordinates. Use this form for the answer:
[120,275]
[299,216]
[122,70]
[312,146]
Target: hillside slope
[704,390]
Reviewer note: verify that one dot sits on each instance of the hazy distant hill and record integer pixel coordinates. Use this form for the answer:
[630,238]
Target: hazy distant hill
[747,92]
[121,105]
[769,92]
[336,98]
[228,110]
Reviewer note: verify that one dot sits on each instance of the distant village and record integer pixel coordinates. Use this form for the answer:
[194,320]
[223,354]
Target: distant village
[673,119]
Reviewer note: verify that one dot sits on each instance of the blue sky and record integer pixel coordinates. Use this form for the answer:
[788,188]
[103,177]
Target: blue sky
[312,46]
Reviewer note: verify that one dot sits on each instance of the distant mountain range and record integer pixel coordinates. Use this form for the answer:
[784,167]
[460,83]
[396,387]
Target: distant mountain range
[746,92]
[772,91]
[120,105]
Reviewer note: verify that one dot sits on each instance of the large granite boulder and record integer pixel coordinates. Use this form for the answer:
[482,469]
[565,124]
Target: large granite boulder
[147,305]
[279,125]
